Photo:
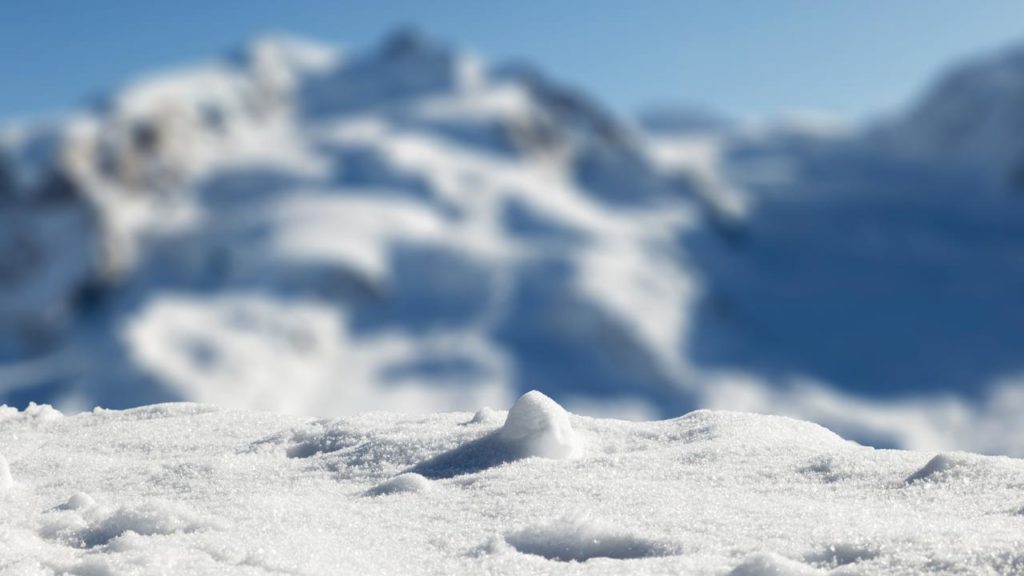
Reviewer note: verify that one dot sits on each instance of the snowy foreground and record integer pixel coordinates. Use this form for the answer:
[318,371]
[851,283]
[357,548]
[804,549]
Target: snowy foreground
[186,488]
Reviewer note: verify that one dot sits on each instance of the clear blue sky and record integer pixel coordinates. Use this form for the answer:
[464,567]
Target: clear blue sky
[750,58]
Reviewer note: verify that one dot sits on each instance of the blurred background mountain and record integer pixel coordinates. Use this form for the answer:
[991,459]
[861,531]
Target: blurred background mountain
[408,227]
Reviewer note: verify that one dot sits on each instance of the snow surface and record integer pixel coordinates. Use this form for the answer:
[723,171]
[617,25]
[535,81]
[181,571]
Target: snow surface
[188,488]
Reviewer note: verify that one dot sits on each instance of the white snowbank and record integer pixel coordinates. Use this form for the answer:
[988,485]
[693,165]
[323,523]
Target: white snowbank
[191,489]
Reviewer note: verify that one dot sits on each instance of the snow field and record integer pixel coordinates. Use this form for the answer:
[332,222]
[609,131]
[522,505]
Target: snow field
[186,488]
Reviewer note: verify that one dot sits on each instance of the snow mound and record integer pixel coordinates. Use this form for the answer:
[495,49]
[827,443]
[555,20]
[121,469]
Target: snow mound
[409,482]
[537,426]
[485,416]
[78,501]
[580,540]
[946,466]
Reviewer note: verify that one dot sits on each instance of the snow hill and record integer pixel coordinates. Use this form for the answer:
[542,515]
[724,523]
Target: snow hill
[189,488]
[300,229]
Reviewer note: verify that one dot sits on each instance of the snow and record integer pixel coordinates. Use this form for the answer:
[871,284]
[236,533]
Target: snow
[78,501]
[187,488]
[399,243]
[282,61]
[249,349]
[298,229]
[147,519]
[699,156]
[5,474]
[410,482]
[32,413]
[768,564]
[406,65]
[538,426]
[321,236]
[945,466]
[579,540]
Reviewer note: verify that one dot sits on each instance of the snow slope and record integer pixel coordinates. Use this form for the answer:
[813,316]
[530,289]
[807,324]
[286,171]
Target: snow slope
[188,488]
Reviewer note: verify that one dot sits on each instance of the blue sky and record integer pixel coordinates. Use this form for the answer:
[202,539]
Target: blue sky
[748,59]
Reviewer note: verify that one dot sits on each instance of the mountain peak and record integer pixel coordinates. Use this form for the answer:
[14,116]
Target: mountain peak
[971,116]
[405,65]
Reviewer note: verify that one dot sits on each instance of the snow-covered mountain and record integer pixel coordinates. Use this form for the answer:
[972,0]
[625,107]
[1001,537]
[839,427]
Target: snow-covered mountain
[874,258]
[304,230]
[289,228]
[972,117]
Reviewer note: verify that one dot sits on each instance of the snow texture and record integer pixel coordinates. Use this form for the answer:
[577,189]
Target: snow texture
[5,474]
[580,540]
[409,482]
[192,489]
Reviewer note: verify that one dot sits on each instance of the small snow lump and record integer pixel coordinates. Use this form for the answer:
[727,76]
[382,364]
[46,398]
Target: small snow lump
[579,540]
[78,501]
[409,482]
[537,426]
[943,465]
[485,416]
